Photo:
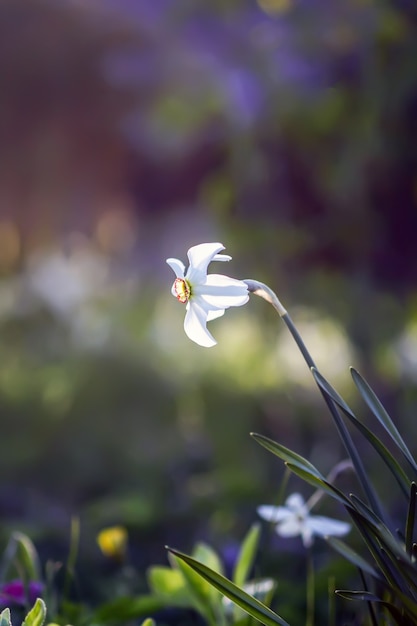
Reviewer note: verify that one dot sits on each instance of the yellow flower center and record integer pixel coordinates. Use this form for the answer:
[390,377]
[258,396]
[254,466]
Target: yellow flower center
[182,290]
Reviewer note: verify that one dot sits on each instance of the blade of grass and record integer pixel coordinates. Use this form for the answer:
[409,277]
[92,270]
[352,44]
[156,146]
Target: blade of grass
[251,605]
[319,483]
[409,527]
[375,405]
[286,454]
[350,555]
[247,555]
[333,399]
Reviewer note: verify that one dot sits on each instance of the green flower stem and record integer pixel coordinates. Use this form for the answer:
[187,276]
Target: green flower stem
[310,600]
[72,556]
[263,291]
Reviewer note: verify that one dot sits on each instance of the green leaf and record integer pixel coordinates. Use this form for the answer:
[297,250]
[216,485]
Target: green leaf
[396,469]
[247,555]
[350,555]
[26,555]
[371,597]
[169,585]
[199,589]
[127,609]
[381,414]
[319,483]
[286,454]
[245,560]
[411,514]
[388,551]
[331,392]
[205,554]
[384,453]
[333,397]
[357,595]
[148,622]
[366,511]
[367,530]
[36,615]
[5,618]
[254,607]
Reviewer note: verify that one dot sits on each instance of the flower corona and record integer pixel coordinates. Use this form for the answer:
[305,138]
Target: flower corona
[182,290]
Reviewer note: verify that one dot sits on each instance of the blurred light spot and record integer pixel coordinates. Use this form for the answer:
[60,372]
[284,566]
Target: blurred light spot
[327,342]
[57,396]
[65,283]
[112,542]
[404,351]
[116,231]
[10,244]
[275,7]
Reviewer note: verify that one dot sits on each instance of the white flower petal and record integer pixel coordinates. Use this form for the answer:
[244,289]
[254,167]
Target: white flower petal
[214,314]
[291,526]
[178,267]
[307,536]
[273,513]
[220,291]
[195,325]
[222,257]
[296,503]
[324,526]
[220,280]
[199,257]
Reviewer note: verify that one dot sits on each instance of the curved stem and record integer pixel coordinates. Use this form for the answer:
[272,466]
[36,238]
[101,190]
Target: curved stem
[259,289]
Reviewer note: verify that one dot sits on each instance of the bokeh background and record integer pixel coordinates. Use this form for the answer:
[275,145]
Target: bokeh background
[133,129]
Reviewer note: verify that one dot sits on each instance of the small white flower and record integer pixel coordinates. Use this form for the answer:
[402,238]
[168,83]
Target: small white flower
[256,588]
[206,296]
[294,519]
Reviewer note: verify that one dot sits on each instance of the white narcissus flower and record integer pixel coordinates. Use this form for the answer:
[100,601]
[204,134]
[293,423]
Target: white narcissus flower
[206,296]
[294,519]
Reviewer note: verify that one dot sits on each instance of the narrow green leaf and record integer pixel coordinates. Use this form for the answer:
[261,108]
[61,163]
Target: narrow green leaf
[36,615]
[392,463]
[5,618]
[375,405]
[205,554]
[26,555]
[371,597]
[286,454]
[169,585]
[387,550]
[126,609]
[409,526]
[367,530]
[199,589]
[247,555]
[334,400]
[254,607]
[358,595]
[384,453]
[319,483]
[351,555]
[331,392]
[366,511]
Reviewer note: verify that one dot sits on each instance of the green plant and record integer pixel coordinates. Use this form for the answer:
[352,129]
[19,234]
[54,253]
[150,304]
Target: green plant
[388,572]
